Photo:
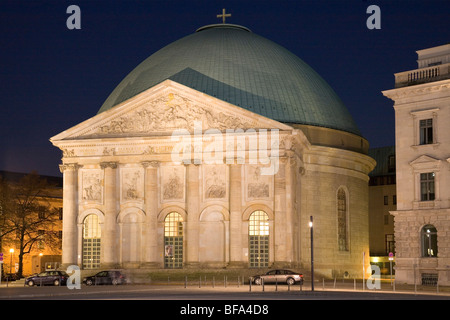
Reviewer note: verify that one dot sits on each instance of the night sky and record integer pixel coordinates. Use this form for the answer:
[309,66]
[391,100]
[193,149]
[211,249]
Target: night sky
[52,78]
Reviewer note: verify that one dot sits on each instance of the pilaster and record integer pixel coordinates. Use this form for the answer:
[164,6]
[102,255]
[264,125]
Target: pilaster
[192,208]
[235,225]
[151,212]
[109,252]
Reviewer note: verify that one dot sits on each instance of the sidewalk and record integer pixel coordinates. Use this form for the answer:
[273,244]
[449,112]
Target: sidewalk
[16,283]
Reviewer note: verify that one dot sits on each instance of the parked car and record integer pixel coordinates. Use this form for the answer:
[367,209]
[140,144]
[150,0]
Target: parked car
[53,277]
[105,277]
[279,276]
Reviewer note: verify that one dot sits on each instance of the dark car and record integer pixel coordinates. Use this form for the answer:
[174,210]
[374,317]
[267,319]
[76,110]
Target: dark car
[105,277]
[54,277]
[279,276]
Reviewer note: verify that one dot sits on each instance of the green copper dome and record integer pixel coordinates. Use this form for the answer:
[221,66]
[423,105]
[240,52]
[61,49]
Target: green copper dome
[233,64]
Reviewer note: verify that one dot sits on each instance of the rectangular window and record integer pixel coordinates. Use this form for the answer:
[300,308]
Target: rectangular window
[427,186]
[386,200]
[426,131]
[391,163]
[390,243]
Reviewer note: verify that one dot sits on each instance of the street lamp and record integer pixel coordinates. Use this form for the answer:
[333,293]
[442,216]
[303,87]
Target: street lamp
[11,251]
[312,252]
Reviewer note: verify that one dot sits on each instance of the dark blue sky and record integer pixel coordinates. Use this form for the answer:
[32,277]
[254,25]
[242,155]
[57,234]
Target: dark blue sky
[52,78]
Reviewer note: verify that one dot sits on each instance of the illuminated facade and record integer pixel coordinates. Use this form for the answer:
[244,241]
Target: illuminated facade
[159,203]
[422,217]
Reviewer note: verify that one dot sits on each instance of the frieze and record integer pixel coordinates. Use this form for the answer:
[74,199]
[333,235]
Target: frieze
[132,186]
[214,182]
[171,112]
[92,185]
[258,185]
[172,183]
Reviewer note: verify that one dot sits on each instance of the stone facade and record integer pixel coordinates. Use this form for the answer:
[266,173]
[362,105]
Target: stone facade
[140,192]
[422,218]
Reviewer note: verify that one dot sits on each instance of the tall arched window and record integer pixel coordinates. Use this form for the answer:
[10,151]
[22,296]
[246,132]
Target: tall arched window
[429,241]
[91,242]
[258,238]
[173,241]
[342,220]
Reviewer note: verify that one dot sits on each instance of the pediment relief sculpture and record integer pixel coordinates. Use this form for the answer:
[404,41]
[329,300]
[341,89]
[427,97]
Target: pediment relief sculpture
[171,112]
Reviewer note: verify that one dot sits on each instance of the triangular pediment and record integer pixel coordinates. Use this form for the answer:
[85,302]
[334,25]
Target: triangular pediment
[167,107]
[425,162]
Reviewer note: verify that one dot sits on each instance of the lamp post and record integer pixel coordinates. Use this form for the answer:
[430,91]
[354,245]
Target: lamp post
[11,251]
[312,252]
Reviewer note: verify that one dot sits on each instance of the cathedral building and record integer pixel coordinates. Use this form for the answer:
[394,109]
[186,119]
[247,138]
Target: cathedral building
[422,133]
[214,152]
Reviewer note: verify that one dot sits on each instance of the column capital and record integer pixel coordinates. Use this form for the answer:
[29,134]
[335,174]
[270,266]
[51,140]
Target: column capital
[69,166]
[152,163]
[195,162]
[105,165]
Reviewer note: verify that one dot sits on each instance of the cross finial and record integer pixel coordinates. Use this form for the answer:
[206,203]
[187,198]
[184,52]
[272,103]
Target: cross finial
[223,15]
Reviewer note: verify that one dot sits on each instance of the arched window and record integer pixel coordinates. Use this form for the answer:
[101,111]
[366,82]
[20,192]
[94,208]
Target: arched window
[429,241]
[342,220]
[91,242]
[173,241]
[258,238]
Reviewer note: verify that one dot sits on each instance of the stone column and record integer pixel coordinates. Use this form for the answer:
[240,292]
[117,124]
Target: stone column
[70,213]
[109,252]
[290,189]
[279,236]
[150,242]
[192,208]
[235,225]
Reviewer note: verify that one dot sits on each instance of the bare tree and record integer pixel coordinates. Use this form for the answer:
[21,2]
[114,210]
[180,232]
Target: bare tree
[27,218]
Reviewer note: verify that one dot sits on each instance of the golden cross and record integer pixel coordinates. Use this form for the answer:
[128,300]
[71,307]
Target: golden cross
[223,15]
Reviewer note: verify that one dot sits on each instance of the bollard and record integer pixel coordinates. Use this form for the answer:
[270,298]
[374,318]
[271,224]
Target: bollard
[276,284]
[213,281]
[262,281]
[250,284]
[185,281]
[200,281]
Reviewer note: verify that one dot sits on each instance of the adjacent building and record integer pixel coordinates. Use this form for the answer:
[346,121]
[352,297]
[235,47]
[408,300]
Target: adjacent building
[382,200]
[422,133]
[42,244]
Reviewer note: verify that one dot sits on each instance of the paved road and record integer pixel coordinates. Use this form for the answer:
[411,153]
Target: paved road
[178,302]
[173,292]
